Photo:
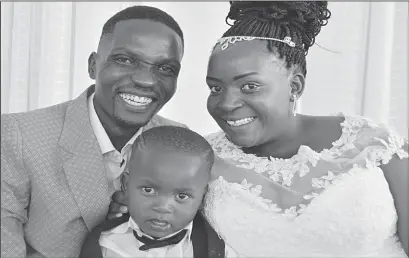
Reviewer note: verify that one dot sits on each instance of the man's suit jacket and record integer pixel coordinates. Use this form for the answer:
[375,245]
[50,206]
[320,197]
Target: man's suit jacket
[54,187]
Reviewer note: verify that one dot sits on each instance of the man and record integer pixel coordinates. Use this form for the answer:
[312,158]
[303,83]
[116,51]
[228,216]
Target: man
[61,164]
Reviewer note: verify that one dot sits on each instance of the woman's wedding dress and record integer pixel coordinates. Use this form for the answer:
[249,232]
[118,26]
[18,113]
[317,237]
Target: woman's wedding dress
[344,210]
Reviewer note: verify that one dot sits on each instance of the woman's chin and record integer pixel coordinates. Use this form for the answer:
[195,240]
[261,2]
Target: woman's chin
[241,141]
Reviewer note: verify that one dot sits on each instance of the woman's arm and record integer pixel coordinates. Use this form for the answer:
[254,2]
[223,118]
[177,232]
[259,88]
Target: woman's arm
[397,175]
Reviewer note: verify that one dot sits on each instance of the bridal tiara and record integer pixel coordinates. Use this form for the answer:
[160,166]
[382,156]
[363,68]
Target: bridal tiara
[225,41]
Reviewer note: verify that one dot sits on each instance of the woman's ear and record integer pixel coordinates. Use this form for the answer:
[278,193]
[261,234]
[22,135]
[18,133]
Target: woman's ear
[297,84]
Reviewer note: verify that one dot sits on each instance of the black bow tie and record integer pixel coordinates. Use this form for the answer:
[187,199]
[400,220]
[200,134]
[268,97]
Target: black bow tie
[152,243]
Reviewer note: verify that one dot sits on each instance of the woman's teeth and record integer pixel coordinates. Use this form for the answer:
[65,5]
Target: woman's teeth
[240,121]
[135,100]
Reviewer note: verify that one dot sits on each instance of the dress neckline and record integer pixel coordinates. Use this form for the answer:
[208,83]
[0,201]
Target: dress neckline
[346,127]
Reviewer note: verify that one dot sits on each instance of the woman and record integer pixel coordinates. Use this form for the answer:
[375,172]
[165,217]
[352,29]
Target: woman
[295,185]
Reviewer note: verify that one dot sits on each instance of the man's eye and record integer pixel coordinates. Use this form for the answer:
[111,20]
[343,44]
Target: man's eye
[166,69]
[123,60]
[182,196]
[148,190]
[215,89]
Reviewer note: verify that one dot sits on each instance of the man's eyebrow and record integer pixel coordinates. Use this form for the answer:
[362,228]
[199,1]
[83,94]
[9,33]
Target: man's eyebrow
[172,61]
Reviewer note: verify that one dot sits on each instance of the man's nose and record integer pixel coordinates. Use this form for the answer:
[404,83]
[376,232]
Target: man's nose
[143,77]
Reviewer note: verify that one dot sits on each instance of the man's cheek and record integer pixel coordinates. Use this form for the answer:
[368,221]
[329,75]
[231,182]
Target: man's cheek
[113,75]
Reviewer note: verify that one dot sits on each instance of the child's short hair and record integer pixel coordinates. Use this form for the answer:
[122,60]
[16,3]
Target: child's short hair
[174,138]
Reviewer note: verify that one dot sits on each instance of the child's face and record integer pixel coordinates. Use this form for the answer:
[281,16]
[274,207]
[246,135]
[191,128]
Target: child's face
[165,190]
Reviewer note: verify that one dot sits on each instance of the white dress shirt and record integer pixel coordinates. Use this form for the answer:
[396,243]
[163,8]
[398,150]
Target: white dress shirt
[120,242]
[112,157]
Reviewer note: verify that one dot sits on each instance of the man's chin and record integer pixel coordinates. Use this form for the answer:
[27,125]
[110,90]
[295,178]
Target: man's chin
[129,123]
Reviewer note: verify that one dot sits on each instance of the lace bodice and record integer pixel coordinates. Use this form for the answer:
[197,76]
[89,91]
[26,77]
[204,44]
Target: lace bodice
[333,203]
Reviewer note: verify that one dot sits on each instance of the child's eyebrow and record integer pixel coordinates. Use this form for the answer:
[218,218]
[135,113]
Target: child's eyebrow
[184,189]
[147,181]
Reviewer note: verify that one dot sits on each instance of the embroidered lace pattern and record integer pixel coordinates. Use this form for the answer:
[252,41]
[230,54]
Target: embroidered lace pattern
[282,171]
[348,209]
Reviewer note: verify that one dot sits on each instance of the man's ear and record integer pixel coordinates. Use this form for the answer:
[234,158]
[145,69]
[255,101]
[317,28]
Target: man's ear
[92,65]
[125,178]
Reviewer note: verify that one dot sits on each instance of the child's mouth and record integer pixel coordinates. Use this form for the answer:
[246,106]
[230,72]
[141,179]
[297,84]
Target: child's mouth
[157,224]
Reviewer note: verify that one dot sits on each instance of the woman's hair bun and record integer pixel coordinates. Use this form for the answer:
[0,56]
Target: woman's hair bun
[305,16]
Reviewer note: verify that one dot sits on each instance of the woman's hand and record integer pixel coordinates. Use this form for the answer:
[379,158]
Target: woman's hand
[118,205]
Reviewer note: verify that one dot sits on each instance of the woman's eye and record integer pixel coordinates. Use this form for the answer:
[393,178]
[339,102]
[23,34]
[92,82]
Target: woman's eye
[215,89]
[182,196]
[250,87]
[148,190]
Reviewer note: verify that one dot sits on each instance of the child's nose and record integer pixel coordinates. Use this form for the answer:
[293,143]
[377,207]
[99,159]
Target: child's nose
[164,205]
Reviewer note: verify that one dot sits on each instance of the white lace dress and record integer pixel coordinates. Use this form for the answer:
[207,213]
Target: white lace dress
[345,208]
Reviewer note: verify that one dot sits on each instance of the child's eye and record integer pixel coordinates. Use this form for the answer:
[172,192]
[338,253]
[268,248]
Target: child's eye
[182,196]
[148,190]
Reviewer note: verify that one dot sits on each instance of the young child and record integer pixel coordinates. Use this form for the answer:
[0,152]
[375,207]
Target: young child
[168,176]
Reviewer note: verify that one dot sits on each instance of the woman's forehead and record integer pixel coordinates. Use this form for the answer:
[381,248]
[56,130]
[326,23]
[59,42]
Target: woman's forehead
[248,56]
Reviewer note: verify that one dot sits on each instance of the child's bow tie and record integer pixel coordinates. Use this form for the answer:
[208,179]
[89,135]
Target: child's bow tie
[152,243]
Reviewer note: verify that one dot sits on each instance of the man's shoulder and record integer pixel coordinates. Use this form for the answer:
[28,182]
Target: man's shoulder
[35,122]
[158,120]
[38,115]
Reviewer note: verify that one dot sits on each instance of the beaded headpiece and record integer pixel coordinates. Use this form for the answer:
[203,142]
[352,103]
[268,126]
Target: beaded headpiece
[225,41]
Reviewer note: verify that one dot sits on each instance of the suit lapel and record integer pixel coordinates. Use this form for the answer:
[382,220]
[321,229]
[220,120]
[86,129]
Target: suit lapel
[83,163]
[206,242]
[199,237]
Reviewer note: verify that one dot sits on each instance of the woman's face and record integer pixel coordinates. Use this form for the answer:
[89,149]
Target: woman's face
[250,92]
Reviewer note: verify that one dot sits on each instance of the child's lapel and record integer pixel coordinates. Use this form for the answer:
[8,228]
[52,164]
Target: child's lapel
[206,242]
[91,247]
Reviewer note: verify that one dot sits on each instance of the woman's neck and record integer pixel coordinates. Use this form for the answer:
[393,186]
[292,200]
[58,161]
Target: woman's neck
[285,144]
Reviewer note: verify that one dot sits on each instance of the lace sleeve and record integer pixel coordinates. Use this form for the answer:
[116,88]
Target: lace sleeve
[379,142]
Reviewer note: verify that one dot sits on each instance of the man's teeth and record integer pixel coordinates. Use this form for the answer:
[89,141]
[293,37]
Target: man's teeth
[135,100]
[240,121]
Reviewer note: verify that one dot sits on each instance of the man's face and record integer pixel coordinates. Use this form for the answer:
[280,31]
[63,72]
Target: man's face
[135,72]
[165,190]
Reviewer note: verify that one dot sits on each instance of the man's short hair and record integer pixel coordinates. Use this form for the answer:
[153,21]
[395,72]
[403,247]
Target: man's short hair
[144,13]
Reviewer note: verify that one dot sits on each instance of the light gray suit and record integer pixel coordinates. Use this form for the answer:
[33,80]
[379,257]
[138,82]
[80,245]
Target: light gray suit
[54,188]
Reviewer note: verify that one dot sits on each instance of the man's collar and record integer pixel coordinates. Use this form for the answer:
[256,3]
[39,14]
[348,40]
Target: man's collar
[102,137]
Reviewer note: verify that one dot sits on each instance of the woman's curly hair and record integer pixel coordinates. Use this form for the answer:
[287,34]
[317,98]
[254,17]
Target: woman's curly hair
[302,21]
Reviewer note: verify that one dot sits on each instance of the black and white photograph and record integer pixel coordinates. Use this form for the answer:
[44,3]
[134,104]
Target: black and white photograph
[192,129]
